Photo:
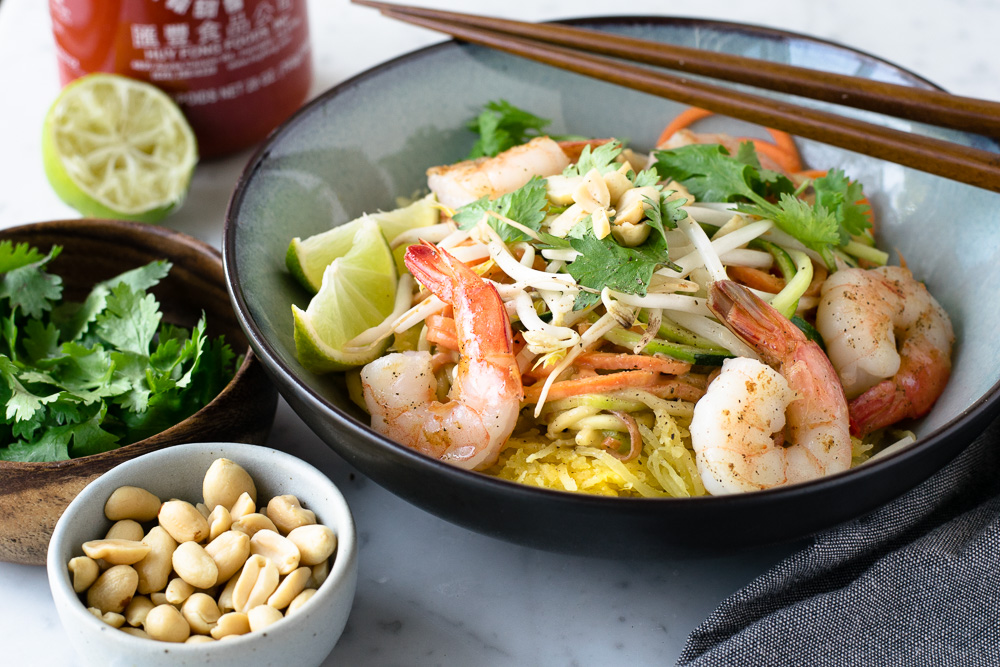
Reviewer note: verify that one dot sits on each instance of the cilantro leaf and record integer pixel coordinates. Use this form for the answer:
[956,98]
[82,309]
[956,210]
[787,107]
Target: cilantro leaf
[602,158]
[707,171]
[73,322]
[525,205]
[664,213]
[813,225]
[41,341]
[646,177]
[15,256]
[71,389]
[130,320]
[603,263]
[23,402]
[89,438]
[844,197]
[30,288]
[501,125]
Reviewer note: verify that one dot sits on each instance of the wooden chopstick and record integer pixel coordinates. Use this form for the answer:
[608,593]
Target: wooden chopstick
[933,107]
[961,163]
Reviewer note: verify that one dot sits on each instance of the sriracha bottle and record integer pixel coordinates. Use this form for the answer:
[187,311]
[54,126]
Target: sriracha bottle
[237,68]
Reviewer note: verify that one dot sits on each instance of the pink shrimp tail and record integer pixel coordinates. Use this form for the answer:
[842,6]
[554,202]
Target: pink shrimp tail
[908,395]
[480,317]
[755,321]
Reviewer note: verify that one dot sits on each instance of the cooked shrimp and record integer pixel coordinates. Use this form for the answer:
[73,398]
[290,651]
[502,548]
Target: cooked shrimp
[758,427]
[458,184]
[890,342]
[400,389]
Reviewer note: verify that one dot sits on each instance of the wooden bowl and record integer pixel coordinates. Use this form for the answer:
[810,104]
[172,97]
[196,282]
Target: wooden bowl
[34,495]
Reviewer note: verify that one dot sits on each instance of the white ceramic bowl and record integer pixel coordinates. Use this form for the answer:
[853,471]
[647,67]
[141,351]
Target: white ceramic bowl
[305,638]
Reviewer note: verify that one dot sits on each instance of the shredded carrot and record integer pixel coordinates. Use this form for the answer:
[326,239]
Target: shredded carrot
[595,384]
[618,362]
[812,173]
[682,120]
[677,390]
[786,143]
[787,162]
[756,279]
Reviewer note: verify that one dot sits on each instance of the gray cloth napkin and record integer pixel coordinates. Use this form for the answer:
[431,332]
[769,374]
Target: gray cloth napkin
[916,582]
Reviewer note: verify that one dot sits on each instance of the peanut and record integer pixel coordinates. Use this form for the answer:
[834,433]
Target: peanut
[183,521]
[131,502]
[135,612]
[114,589]
[299,600]
[279,550]
[85,572]
[224,482]
[194,565]
[229,551]
[177,591]
[256,583]
[319,573]
[126,529]
[233,623]
[199,639]
[116,552]
[154,569]
[262,616]
[135,632]
[166,624]
[226,596]
[316,543]
[288,514]
[252,523]
[111,618]
[201,612]
[289,587]
[219,521]
[244,505]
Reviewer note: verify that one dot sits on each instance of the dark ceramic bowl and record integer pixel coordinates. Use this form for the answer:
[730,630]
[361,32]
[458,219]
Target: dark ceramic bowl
[361,144]
[34,495]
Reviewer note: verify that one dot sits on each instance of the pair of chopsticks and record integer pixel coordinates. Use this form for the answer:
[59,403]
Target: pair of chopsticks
[574,49]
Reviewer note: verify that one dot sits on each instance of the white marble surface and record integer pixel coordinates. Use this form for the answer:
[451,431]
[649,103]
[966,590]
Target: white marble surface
[431,593]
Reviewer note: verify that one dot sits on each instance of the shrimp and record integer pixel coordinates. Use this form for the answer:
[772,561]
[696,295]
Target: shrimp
[458,184]
[400,389]
[890,342]
[762,425]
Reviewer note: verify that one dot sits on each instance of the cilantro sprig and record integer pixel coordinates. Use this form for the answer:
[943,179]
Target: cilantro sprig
[501,125]
[712,174]
[526,205]
[82,378]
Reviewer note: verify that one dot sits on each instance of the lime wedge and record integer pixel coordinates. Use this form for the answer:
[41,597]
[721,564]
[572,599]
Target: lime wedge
[114,147]
[357,292]
[308,258]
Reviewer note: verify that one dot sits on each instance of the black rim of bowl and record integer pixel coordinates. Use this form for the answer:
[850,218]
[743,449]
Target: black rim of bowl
[968,424]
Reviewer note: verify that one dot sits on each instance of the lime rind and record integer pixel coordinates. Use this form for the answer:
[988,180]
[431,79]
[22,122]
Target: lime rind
[308,258]
[357,292]
[115,147]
